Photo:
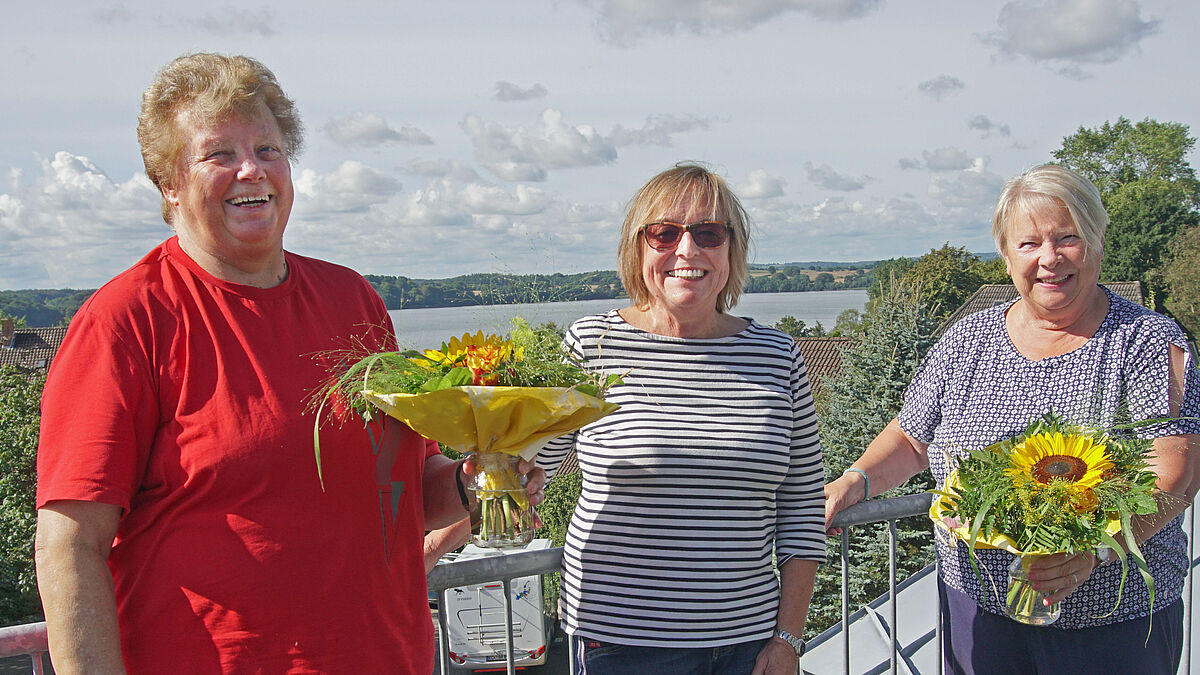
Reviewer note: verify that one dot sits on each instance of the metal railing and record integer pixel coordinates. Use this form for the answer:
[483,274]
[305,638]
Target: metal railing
[30,639]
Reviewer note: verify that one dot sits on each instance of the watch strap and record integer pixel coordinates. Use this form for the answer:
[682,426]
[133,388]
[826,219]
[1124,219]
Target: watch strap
[796,643]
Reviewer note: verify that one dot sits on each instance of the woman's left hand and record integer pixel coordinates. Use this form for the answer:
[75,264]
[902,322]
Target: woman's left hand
[776,658]
[1060,574]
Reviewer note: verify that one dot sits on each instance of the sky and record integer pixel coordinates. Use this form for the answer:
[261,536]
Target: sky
[481,136]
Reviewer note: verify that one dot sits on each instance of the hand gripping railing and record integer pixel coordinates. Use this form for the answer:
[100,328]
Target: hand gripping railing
[874,511]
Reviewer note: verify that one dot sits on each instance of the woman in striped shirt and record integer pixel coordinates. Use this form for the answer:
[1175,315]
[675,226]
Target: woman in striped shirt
[709,476]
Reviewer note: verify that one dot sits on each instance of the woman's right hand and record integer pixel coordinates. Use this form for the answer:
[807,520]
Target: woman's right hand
[845,491]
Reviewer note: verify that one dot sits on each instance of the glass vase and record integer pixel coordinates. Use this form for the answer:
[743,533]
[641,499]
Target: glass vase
[1022,602]
[506,518]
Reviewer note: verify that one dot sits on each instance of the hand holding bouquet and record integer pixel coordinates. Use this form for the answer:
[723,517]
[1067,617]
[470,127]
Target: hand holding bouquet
[1054,488]
[500,398]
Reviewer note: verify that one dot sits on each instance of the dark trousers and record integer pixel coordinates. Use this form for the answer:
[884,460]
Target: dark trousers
[979,642]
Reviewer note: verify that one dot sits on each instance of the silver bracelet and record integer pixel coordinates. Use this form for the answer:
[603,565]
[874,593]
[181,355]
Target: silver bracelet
[866,481]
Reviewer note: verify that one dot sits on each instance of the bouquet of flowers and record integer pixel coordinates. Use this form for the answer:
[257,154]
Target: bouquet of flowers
[501,398]
[1054,488]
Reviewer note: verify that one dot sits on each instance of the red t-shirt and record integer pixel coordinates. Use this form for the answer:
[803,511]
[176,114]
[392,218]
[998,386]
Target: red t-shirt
[182,399]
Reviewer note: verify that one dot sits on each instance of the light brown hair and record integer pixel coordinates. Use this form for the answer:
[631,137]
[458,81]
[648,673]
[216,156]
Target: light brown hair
[692,184]
[211,87]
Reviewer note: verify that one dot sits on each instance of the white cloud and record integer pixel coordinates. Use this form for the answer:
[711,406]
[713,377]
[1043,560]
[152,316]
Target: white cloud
[526,153]
[826,177]
[761,185]
[941,86]
[946,159]
[963,202]
[443,168]
[352,186]
[1089,31]
[657,130]
[988,127]
[367,130]
[236,21]
[71,226]
[507,91]
[623,21]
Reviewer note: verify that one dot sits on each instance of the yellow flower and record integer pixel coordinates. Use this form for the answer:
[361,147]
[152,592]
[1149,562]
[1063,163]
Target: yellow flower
[1052,456]
[484,355]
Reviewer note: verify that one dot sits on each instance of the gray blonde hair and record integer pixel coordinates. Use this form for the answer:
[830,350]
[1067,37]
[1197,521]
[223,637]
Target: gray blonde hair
[212,87]
[684,183]
[1049,185]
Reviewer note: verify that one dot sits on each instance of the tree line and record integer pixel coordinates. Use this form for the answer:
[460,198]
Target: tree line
[56,307]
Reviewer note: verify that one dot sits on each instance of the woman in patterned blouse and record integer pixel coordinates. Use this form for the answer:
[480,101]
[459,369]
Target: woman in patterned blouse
[1070,346]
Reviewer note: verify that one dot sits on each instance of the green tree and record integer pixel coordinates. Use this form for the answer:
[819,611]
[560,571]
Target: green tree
[20,397]
[556,509]
[1148,187]
[1120,153]
[1181,277]
[849,322]
[885,273]
[797,328]
[1144,216]
[993,272]
[861,401]
[945,277]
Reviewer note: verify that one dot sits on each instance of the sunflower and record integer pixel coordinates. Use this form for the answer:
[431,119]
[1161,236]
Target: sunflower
[1053,456]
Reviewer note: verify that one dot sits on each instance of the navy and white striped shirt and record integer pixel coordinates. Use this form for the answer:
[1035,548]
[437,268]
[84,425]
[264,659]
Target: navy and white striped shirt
[711,463]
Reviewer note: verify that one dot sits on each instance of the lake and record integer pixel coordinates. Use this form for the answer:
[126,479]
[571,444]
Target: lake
[423,328]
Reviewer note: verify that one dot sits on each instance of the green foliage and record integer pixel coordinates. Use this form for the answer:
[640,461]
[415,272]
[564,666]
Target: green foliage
[1144,216]
[19,418]
[1182,278]
[1120,153]
[885,274]
[849,322]
[945,278]
[556,509]
[42,307]
[992,272]
[1149,190]
[861,401]
[797,328]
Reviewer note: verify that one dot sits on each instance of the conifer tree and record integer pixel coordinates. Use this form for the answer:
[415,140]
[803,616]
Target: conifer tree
[861,401]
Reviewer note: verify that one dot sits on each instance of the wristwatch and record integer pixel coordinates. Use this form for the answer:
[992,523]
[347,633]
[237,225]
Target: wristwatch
[1104,554]
[792,640]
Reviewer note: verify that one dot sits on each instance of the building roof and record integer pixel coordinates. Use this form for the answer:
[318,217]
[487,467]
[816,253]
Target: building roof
[31,348]
[990,295]
[823,358]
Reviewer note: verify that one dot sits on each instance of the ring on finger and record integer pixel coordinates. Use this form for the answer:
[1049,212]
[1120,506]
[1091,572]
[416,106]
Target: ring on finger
[1076,578]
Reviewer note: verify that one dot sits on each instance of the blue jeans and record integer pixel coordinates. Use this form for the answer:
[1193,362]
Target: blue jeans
[593,657]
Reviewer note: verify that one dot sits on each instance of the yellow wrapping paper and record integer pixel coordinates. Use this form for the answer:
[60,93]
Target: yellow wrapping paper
[942,505]
[512,420]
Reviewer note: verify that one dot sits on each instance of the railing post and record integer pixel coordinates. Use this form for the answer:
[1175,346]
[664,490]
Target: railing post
[892,592]
[511,658]
[846,600]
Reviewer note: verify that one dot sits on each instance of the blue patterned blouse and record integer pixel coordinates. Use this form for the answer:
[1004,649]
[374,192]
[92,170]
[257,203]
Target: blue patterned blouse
[974,388]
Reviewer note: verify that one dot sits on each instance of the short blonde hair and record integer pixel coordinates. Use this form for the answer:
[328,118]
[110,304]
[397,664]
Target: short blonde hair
[212,87]
[684,183]
[1050,185]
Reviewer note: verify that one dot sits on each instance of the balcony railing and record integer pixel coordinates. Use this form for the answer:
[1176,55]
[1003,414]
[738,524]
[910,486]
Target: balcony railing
[30,639]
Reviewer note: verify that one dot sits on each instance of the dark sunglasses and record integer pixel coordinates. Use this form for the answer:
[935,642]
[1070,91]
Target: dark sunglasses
[665,235]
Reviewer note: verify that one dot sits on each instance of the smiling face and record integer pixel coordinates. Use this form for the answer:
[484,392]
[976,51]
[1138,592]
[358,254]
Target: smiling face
[1049,263]
[232,189]
[687,280]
